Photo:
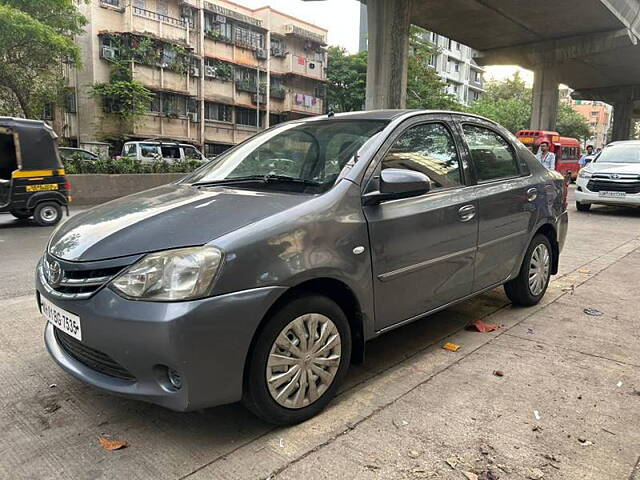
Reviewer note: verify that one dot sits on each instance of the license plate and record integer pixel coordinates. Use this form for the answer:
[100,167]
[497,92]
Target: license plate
[59,318]
[612,194]
[41,188]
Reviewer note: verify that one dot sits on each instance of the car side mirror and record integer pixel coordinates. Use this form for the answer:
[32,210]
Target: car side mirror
[398,183]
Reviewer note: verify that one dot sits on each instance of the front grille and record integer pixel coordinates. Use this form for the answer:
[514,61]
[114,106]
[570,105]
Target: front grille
[598,185]
[75,281]
[94,359]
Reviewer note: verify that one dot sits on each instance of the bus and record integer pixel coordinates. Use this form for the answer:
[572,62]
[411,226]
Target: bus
[566,149]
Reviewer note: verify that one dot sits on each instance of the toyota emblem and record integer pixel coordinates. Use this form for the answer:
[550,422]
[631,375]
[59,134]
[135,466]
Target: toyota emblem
[615,176]
[53,272]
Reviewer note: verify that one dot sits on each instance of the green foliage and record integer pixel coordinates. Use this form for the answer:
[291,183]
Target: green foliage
[571,123]
[508,102]
[346,80]
[121,165]
[127,98]
[425,88]
[35,41]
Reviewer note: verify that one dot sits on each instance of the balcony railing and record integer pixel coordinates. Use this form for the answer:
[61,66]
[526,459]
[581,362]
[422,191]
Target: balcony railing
[158,17]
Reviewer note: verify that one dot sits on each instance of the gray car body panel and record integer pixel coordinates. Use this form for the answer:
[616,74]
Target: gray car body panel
[275,241]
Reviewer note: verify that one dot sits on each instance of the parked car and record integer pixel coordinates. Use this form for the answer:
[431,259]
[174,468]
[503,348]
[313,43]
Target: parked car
[151,151]
[260,276]
[32,178]
[612,178]
[68,153]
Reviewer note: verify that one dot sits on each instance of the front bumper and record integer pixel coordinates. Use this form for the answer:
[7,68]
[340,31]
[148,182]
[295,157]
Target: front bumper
[205,341]
[584,195]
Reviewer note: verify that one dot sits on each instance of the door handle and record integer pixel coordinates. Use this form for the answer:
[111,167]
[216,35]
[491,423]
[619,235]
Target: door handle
[532,194]
[466,213]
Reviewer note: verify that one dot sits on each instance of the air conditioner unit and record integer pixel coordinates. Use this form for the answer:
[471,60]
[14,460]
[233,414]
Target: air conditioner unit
[108,52]
[193,116]
[261,53]
[209,71]
[195,71]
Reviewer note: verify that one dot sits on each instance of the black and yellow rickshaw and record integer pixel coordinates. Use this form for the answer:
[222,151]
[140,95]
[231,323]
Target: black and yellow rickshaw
[32,180]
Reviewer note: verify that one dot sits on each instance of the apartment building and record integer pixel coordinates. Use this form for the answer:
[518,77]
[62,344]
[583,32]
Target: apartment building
[454,63]
[598,115]
[219,71]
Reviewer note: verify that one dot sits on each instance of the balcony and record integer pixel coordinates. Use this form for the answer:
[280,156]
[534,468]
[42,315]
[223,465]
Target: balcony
[303,103]
[161,26]
[305,34]
[299,65]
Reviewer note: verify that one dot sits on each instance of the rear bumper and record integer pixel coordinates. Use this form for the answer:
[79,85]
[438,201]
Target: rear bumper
[205,341]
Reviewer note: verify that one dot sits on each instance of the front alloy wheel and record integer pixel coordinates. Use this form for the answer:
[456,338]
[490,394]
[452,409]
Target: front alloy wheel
[297,360]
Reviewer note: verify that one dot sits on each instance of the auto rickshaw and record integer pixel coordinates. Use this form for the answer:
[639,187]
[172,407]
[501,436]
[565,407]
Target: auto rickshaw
[32,180]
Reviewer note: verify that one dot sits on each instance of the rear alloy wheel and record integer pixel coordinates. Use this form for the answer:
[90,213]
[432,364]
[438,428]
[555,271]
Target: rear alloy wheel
[21,213]
[583,207]
[530,285]
[47,214]
[298,361]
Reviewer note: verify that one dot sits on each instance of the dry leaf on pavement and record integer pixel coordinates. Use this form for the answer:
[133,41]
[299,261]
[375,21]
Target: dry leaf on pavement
[109,444]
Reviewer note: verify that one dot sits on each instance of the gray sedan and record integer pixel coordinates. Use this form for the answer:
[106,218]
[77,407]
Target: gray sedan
[261,276]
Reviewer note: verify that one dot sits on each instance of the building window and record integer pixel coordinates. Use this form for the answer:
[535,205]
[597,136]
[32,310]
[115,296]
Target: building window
[169,104]
[433,60]
[162,7]
[245,116]
[275,119]
[456,66]
[450,44]
[113,3]
[218,27]
[215,149]
[218,112]
[47,111]
[217,69]
[245,37]
[139,4]
[278,47]
[70,101]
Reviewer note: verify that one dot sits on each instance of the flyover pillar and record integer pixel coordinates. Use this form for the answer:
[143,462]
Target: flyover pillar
[622,120]
[544,111]
[389,22]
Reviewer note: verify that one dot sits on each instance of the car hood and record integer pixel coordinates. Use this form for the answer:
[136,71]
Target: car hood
[166,217]
[629,168]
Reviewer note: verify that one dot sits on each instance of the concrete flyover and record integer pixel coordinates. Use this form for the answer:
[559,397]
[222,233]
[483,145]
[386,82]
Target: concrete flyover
[590,45]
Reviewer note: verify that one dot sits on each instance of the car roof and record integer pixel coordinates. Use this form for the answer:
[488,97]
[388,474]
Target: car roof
[387,115]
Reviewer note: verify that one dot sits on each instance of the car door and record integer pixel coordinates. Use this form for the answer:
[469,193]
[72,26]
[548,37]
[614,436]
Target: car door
[423,247]
[505,192]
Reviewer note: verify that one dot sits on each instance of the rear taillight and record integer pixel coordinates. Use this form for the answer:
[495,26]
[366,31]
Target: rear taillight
[67,186]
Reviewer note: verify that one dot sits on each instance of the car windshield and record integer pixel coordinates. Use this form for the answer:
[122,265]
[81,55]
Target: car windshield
[629,153]
[301,157]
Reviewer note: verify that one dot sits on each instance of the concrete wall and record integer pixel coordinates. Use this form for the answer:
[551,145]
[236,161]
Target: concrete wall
[94,189]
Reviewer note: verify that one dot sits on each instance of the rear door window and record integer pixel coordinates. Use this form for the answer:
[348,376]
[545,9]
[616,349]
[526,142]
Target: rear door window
[492,156]
[130,150]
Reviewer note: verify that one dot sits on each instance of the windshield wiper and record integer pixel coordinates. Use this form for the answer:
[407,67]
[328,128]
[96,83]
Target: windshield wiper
[258,178]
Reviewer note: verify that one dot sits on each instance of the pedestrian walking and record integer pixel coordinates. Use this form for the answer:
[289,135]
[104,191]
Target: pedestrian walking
[586,157]
[545,157]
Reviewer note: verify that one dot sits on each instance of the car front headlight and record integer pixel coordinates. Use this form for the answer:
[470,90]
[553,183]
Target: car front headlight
[181,274]
[584,174]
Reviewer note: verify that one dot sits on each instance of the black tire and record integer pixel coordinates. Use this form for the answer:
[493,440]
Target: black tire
[256,395]
[21,214]
[518,290]
[47,214]
[583,207]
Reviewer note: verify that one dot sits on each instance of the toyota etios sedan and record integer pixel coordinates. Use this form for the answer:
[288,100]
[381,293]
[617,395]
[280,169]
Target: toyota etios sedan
[261,276]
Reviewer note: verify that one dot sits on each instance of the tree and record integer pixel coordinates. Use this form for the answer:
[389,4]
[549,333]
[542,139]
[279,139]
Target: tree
[507,102]
[571,123]
[36,39]
[425,88]
[346,80]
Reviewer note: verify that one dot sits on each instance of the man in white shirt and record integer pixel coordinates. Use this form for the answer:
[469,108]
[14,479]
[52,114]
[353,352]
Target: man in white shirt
[545,157]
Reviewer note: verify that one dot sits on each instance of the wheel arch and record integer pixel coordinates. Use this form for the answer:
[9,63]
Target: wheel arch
[549,231]
[336,290]
[46,197]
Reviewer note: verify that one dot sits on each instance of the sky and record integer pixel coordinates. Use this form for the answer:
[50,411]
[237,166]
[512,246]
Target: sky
[342,19]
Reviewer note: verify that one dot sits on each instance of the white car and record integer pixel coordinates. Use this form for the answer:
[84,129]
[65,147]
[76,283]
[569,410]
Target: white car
[613,178]
[150,151]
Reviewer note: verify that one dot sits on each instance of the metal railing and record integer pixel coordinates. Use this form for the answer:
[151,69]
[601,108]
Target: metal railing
[159,17]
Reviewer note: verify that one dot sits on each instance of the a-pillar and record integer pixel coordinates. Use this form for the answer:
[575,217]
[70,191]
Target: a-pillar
[388,52]
[544,108]
[622,116]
